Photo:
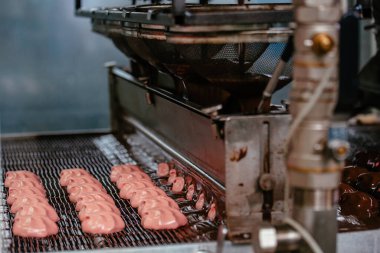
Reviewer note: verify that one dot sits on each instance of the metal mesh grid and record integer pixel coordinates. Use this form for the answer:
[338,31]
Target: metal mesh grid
[47,156]
[266,63]
[249,52]
[236,59]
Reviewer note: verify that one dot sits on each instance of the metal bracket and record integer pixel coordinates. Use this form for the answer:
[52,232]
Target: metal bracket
[255,172]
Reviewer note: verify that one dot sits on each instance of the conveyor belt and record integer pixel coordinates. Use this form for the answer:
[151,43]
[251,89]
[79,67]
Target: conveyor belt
[47,156]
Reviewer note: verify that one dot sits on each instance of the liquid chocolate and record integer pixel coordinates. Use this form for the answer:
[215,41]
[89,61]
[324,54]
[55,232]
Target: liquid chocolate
[367,159]
[345,188]
[369,182]
[351,173]
[359,204]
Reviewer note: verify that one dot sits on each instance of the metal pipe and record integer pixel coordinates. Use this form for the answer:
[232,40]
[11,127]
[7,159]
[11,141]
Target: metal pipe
[313,173]
[272,84]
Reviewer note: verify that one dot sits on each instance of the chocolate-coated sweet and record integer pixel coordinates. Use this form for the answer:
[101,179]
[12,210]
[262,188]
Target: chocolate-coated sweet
[359,204]
[368,159]
[345,188]
[369,182]
[350,174]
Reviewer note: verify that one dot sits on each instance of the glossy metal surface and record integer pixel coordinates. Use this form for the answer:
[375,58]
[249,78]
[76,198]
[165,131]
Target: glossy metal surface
[314,173]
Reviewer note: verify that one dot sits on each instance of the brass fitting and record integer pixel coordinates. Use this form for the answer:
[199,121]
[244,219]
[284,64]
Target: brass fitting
[322,43]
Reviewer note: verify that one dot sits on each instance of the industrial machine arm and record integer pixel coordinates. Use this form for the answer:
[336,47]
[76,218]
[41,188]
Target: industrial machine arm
[314,162]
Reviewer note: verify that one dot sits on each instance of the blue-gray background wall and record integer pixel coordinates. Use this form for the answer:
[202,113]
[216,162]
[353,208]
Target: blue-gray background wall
[51,68]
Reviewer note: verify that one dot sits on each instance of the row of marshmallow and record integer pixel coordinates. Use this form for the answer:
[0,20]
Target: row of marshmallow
[157,210]
[181,184]
[34,216]
[97,210]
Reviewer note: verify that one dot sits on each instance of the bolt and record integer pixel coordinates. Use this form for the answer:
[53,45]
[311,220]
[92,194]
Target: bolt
[319,146]
[246,236]
[268,238]
[265,238]
[339,149]
[149,98]
[266,182]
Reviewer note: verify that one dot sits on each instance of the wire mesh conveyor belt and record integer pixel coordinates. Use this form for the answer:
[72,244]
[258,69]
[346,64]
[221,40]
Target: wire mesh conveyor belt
[47,156]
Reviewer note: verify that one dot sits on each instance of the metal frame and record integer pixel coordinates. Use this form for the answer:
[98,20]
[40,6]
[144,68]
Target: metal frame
[255,179]
[314,170]
[241,154]
[190,133]
[182,14]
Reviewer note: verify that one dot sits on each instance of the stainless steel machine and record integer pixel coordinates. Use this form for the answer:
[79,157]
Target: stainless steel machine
[209,73]
[198,95]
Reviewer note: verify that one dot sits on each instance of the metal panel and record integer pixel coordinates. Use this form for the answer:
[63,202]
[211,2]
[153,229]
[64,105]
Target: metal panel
[246,16]
[187,131]
[247,148]
[254,146]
